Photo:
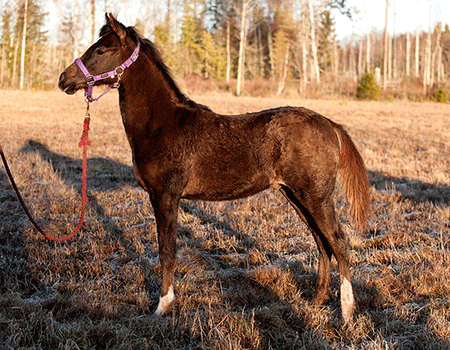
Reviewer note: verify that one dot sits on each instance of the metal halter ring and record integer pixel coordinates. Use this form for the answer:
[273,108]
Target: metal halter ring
[119,72]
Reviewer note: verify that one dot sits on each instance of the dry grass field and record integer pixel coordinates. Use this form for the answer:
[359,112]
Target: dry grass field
[246,269]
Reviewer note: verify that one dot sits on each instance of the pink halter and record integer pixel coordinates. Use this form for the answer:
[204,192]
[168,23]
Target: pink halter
[91,79]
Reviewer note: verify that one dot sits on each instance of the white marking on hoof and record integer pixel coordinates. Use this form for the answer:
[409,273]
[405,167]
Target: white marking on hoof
[347,300]
[164,303]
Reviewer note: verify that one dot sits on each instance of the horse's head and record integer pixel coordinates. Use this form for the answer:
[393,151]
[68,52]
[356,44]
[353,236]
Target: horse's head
[108,53]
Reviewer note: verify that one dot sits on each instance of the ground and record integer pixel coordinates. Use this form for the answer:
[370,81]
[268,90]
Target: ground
[246,269]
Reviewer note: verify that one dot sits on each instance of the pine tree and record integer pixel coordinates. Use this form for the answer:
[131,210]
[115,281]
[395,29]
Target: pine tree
[212,57]
[36,38]
[191,34]
[6,49]
[284,38]
[326,38]
[168,49]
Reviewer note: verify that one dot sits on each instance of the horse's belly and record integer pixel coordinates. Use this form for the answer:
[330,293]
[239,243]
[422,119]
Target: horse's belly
[226,188]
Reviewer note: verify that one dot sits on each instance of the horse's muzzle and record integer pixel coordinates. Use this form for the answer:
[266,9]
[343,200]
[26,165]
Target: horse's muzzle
[67,85]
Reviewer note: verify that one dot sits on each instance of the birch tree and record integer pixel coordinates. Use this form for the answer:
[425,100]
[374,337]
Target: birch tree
[408,54]
[386,48]
[427,63]
[24,42]
[436,57]
[368,68]
[242,43]
[228,49]
[416,53]
[303,37]
[92,20]
[427,60]
[313,42]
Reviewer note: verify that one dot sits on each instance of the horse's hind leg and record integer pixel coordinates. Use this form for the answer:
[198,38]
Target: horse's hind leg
[331,239]
[325,252]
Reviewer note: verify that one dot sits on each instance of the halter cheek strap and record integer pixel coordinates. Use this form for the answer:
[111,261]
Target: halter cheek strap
[91,79]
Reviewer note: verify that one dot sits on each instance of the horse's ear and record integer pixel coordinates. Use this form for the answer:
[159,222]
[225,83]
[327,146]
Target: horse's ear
[118,27]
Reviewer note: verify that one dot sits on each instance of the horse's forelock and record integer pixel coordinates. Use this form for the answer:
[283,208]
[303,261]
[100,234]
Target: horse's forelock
[105,30]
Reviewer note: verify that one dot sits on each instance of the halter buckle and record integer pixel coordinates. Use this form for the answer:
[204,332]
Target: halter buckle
[90,80]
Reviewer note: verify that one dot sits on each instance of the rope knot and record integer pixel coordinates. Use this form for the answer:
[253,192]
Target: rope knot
[84,140]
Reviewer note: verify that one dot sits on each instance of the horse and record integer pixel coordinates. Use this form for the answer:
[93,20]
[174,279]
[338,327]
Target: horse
[184,150]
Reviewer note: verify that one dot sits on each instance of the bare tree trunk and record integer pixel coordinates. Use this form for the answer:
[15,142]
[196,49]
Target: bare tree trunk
[147,19]
[270,44]
[282,82]
[14,75]
[386,44]
[408,53]
[32,61]
[389,57]
[440,68]
[172,19]
[24,41]
[313,42]
[75,29]
[427,63]
[352,63]
[360,61]
[92,20]
[228,51]
[260,53]
[303,37]
[335,57]
[394,58]
[416,53]
[3,65]
[241,60]
[368,68]
[434,61]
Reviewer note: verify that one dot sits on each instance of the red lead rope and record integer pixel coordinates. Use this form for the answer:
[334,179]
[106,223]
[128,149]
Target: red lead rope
[84,142]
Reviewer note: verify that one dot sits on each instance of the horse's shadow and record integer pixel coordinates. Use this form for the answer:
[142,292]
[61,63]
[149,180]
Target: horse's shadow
[103,175]
[417,191]
[107,174]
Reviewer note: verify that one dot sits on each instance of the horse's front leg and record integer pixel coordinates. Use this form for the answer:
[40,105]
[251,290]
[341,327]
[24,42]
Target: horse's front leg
[165,206]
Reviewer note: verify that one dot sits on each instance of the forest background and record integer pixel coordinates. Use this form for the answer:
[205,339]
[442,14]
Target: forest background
[251,47]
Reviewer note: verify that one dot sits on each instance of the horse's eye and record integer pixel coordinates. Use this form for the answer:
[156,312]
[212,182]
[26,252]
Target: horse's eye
[99,52]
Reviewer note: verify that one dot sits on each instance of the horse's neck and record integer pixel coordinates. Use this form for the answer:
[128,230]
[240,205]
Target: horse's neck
[146,99]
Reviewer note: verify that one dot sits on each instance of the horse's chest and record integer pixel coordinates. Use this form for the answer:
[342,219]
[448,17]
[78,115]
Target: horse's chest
[157,170]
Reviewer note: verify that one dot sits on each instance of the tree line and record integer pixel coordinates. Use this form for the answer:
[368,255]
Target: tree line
[234,42]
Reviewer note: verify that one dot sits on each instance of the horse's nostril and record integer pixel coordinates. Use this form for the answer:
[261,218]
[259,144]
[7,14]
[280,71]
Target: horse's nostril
[61,80]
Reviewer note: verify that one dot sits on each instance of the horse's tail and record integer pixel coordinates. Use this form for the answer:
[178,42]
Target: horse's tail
[354,179]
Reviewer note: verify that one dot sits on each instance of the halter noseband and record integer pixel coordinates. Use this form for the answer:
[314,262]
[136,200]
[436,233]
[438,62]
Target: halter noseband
[91,79]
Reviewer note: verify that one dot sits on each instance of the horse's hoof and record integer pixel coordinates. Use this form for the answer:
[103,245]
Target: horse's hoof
[164,304]
[347,301]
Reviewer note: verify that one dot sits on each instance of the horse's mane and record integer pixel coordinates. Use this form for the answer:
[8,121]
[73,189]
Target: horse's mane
[150,49]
